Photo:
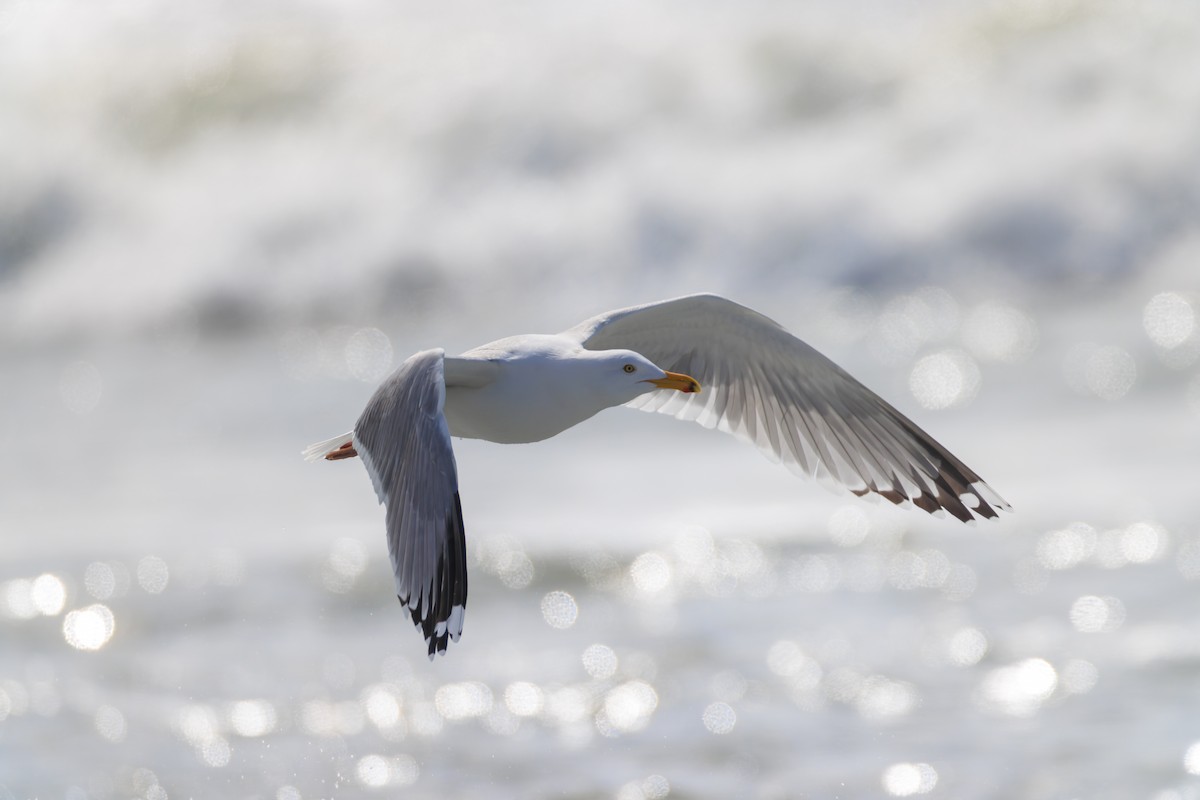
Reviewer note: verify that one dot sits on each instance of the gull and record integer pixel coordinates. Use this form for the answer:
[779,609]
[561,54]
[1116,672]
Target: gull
[701,357]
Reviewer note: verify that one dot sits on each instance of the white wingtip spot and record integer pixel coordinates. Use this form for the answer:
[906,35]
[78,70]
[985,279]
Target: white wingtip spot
[989,494]
[455,622]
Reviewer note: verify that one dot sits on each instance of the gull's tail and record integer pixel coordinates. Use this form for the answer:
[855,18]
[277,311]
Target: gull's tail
[331,449]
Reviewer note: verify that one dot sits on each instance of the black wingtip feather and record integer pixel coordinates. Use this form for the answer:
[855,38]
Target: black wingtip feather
[950,490]
[447,588]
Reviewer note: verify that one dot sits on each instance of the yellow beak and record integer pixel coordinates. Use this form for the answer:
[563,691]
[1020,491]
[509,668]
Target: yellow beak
[677,381]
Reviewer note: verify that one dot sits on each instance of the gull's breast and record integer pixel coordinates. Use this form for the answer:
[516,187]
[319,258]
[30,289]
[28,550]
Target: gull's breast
[512,413]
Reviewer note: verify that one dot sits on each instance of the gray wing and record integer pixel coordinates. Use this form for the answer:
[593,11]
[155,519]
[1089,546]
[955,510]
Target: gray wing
[405,444]
[765,385]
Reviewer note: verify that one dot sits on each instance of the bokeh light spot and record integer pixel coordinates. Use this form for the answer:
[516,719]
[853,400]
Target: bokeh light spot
[568,704]
[48,595]
[152,574]
[252,718]
[1143,542]
[628,707]
[372,772]
[1187,560]
[882,698]
[787,660]
[524,699]
[998,332]
[1191,759]
[1169,319]
[383,707]
[516,570]
[146,784]
[216,753]
[906,780]
[1110,373]
[110,724]
[911,320]
[197,724]
[559,610]
[650,573]
[849,526]
[1019,689]
[14,698]
[1068,547]
[502,556]
[719,718]
[458,701]
[89,628]
[16,599]
[967,647]
[946,379]
[1092,614]
[654,787]
[1107,372]
[600,661]
[100,580]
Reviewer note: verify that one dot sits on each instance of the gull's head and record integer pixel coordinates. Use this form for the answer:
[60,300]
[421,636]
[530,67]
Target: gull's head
[628,374]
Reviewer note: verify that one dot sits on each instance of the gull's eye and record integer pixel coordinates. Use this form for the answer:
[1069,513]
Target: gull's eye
[630,368]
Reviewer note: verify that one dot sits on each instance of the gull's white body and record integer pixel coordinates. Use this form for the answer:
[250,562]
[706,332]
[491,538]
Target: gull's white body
[755,380]
[488,389]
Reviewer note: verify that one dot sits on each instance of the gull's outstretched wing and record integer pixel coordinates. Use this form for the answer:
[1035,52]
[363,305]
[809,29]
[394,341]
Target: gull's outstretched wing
[765,385]
[404,442]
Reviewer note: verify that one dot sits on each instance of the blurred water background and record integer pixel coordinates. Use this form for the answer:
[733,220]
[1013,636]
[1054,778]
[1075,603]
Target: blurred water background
[222,223]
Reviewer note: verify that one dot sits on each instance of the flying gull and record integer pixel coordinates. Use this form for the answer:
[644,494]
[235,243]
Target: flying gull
[701,358]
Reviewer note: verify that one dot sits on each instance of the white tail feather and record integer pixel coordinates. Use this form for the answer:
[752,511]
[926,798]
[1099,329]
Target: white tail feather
[315,452]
